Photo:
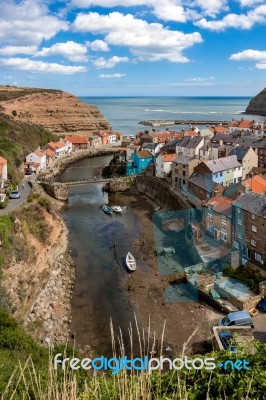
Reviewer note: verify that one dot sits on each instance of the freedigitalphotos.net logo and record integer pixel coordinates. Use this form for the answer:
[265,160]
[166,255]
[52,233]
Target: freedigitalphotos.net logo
[145,364]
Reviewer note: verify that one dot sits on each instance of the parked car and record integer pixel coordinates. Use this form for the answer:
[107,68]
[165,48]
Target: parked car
[237,318]
[29,172]
[262,305]
[15,194]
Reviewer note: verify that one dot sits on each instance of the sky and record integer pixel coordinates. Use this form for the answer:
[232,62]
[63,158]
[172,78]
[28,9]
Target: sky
[135,47]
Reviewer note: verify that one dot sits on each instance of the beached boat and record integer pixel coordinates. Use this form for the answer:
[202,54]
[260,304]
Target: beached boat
[117,209]
[107,209]
[131,262]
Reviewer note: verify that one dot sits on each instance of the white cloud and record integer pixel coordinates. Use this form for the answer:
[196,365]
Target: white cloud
[211,7]
[27,23]
[237,21]
[204,79]
[104,76]
[147,41]
[261,65]
[13,50]
[25,64]
[98,45]
[73,51]
[250,3]
[249,55]
[111,62]
[167,10]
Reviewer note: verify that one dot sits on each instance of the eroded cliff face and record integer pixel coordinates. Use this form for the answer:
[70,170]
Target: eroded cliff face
[58,111]
[257,105]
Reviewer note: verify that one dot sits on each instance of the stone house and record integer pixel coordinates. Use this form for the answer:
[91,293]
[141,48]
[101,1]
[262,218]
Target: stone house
[163,165]
[249,228]
[189,146]
[79,141]
[182,169]
[203,188]
[245,156]
[95,141]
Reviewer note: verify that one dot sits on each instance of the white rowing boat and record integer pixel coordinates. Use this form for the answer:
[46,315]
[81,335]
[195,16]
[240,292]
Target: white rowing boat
[131,262]
[117,209]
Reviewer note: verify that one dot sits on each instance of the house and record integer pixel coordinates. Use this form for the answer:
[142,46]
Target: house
[108,137]
[131,149]
[218,219]
[60,148]
[262,153]
[153,148]
[50,155]
[139,162]
[249,224]
[163,165]
[245,156]
[170,147]
[203,188]
[182,169]
[225,171]
[79,141]
[95,141]
[189,146]
[36,160]
[242,125]
[126,141]
[3,171]
[219,129]
[206,133]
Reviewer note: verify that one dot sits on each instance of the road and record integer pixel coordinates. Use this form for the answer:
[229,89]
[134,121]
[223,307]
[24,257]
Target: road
[24,192]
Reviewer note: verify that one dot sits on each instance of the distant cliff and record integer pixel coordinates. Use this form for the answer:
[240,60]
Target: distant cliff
[257,105]
[57,111]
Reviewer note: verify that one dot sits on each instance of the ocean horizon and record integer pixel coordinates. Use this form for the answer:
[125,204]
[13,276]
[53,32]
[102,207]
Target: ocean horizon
[125,112]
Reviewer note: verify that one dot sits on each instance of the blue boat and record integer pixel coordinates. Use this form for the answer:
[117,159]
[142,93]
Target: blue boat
[107,209]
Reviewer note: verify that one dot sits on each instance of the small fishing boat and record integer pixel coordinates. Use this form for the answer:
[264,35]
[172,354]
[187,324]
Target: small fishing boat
[117,209]
[131,262]
[107,209]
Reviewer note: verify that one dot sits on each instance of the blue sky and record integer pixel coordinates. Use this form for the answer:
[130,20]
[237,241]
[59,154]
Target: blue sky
[135,47]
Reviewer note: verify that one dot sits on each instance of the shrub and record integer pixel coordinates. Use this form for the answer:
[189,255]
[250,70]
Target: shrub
[45,203]
[14,112]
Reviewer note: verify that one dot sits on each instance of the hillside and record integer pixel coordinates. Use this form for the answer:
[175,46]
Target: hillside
[57,111]
[257,104]
[17,140]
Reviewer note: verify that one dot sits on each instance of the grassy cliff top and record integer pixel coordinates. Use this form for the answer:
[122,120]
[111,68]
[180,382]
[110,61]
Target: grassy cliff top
[13,92]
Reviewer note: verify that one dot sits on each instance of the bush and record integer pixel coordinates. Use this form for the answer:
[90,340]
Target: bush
[14,112]
[45,203]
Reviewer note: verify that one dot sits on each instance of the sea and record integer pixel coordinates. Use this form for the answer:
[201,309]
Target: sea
[125,113]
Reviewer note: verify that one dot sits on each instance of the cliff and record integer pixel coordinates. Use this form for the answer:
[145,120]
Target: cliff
[57,111]
[257,104]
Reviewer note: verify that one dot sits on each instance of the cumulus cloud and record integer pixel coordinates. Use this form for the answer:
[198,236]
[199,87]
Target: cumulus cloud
[98,45]
[237,21]
[251,55]
[111,62]
[105,76]
[13,50]
[73,51]
[167,10]
[211,7]
[27,22]
[147,41]
[26,64]
[250,3]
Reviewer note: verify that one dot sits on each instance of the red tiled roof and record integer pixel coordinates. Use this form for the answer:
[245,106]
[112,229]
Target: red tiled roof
[191,132]
[169,157]
[77,139]
[3,161]
[39,153]
[50,152]
[221,204]
[257,184]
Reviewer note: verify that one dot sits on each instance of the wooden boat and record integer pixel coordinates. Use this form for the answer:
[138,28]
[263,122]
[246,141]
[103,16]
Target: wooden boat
[117,209]
[131,262]
[107,209]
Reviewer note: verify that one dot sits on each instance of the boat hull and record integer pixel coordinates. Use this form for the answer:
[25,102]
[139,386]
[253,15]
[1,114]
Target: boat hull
[131,262]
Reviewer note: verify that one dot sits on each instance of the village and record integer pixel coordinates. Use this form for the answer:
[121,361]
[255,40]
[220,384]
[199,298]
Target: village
[219,170]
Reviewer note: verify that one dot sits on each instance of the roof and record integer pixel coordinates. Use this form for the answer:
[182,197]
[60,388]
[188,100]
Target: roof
[249,141]
[253,203]
[39,152]
[222,164]
[239,152]
[169,157]
[219,129]
[49,152]
[151,146]
[144,154]
[221,205]
[77,139]
[3,161]
[183,159]
[257,184]
[189,142]
[191,132]
[56,145]
[203,182]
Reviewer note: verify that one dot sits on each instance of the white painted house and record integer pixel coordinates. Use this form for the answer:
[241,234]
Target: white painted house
[3,171]
[189,146]
[36,160]
[163,164]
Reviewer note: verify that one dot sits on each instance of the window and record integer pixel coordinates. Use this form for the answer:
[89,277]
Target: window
[253,242]
[223,236]
[258,257]
[238,210]
[239,221]
[252,216]
[221,174]
[239,235]
[223,225]
[236,245]
[209,217]
[254,228]
[224,218]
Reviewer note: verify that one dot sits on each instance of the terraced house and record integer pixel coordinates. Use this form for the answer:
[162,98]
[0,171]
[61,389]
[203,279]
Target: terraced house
[249,227]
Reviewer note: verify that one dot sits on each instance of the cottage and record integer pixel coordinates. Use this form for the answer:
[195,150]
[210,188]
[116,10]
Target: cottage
[79,141]
[203,188]
[35,161]
[139,162]
[60,148]
[218,218]
[182,169]
[3,171]
[189,146]
[163,165]
[245,156]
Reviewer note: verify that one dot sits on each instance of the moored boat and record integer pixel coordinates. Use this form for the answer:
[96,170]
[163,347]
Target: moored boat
[131,262]
[117,209]
[107,209]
